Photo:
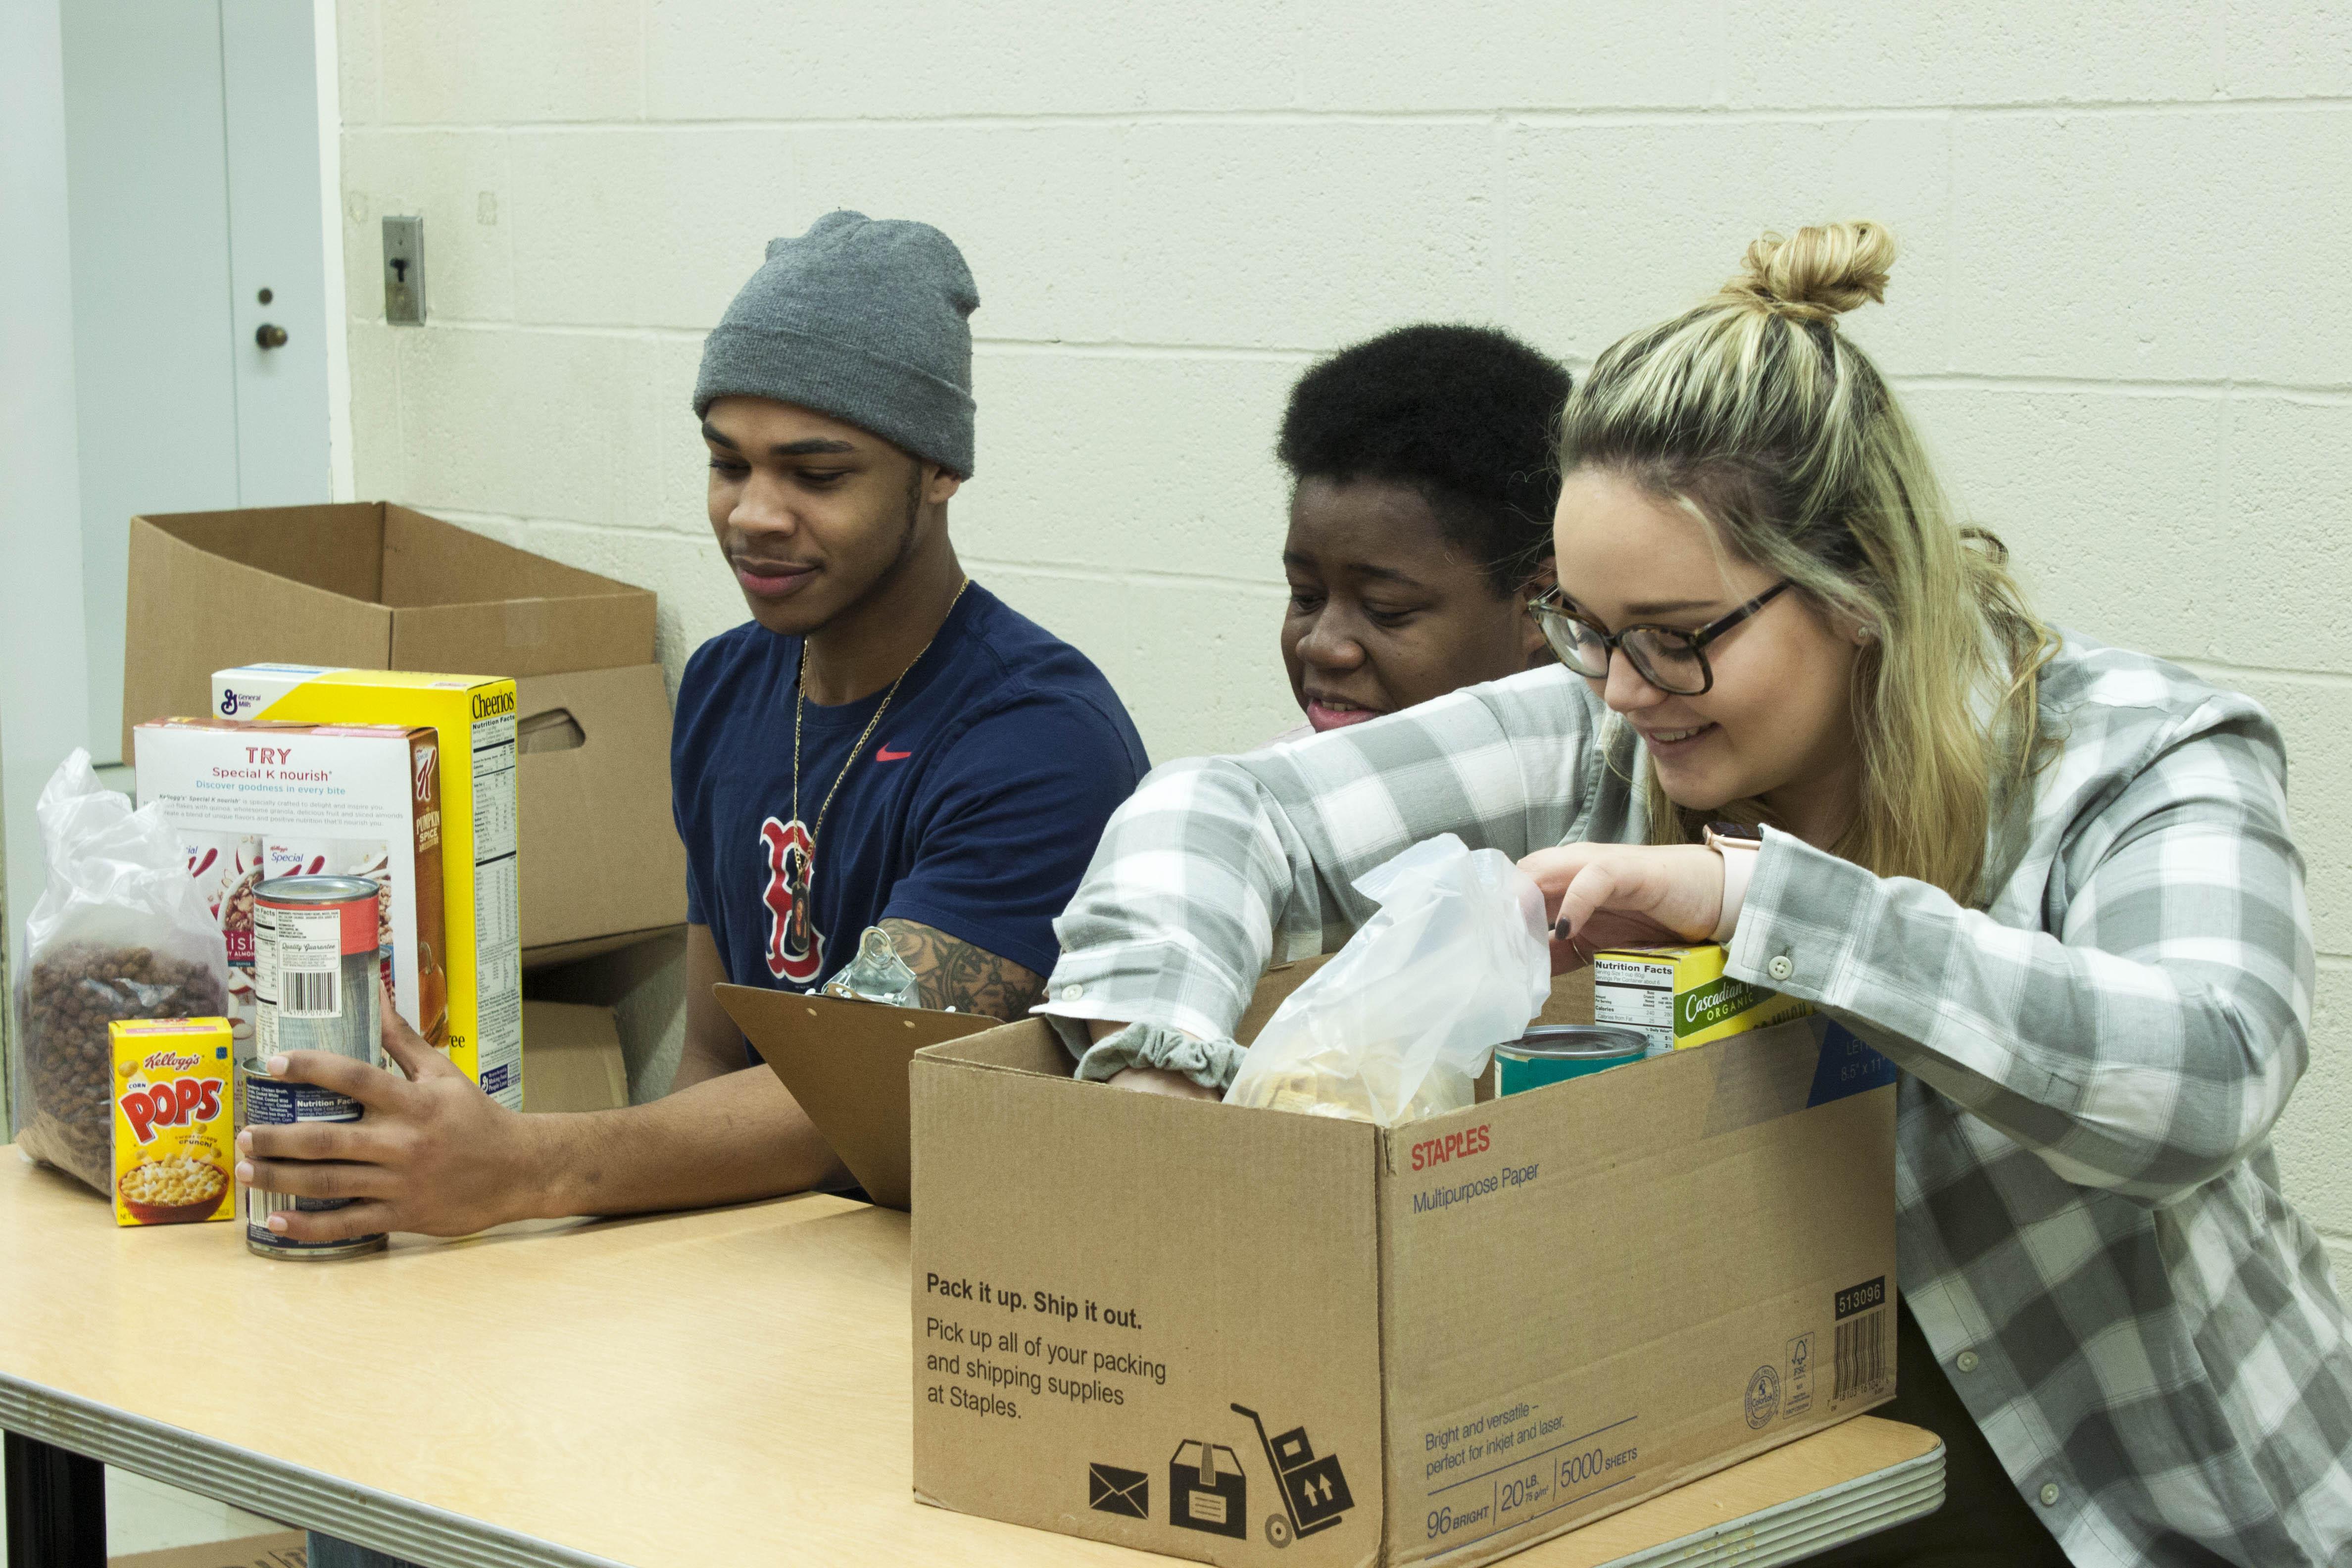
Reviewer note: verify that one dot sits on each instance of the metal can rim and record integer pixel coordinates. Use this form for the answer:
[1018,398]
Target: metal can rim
[1556,1042]
[316,890]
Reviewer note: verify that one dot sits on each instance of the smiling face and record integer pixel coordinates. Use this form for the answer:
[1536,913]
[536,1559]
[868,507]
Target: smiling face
[813,513]
[1384,612]
[1778,724]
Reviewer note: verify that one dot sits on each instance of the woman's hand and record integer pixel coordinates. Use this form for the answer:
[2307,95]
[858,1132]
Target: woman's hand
[1625,895]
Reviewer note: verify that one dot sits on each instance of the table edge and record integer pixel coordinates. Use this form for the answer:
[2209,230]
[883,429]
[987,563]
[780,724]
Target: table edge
[1791,1531]
[302,1498]
[280,1489]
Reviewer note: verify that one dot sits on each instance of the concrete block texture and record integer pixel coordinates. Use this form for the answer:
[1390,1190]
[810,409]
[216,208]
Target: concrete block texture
[1996,52]
[1058,56]
[2117,319]
[447,62]
[2190,248]
[1598,238]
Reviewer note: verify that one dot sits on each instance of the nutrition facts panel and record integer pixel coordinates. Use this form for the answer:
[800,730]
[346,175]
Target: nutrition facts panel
[495,815]
[497,912]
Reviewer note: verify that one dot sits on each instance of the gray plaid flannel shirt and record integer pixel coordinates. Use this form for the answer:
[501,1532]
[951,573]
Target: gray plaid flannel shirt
[2088,1205]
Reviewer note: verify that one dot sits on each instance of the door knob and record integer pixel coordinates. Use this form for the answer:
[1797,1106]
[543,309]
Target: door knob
[270,336]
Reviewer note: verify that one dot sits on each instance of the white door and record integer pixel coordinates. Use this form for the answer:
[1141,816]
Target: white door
[192,185]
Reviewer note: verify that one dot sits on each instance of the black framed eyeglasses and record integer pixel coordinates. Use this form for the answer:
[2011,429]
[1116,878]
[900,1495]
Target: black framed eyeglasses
[1670,659]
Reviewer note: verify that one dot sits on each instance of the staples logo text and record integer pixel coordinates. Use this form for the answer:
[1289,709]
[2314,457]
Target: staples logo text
[1453,1146]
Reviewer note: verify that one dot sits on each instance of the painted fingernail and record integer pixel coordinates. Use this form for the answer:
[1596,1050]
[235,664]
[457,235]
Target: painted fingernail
[1560,931]
[275,1221]
[243,1174]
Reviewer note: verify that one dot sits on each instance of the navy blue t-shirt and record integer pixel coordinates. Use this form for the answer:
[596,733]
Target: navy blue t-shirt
[974,808]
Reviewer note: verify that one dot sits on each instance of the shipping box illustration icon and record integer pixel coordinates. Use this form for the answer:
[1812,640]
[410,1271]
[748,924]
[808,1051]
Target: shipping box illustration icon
[1314,1491]
[1111,1490]
[1206,1490]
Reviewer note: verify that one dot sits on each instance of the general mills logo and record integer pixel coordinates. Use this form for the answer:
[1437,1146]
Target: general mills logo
[232,702]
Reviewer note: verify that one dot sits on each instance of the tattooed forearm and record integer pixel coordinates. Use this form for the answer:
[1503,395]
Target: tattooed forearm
[953,973]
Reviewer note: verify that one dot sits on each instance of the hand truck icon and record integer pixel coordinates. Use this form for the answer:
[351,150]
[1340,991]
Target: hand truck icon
[1314,1492]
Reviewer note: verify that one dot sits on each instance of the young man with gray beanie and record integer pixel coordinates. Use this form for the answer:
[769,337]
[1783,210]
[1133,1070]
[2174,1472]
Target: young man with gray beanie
[885,743]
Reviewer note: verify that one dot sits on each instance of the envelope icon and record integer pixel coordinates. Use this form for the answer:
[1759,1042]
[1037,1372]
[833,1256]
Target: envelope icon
[1111,1490]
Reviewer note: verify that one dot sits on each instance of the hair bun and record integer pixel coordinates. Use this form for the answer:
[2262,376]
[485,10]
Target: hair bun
[1820,273]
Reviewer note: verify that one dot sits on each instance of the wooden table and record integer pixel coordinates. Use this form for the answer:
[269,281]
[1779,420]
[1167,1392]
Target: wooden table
[723,1388]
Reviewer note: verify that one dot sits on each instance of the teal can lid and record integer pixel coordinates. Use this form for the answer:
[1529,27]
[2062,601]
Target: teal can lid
[1575,1041]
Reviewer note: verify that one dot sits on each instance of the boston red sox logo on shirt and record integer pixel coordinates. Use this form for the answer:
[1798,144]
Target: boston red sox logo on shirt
[795,950]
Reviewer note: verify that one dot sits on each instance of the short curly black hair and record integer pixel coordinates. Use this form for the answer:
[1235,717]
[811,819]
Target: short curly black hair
[1466,415]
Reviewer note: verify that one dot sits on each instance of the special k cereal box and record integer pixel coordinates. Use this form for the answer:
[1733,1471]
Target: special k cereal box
[254,800]
[174,1120]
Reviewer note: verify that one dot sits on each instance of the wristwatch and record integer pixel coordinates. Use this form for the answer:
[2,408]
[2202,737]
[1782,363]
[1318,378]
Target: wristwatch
[1739,844]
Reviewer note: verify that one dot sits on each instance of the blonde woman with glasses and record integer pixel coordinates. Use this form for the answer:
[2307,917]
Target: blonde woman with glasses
[1803,712]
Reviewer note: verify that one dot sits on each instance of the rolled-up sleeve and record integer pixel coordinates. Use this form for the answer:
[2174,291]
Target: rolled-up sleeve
[2147,1037]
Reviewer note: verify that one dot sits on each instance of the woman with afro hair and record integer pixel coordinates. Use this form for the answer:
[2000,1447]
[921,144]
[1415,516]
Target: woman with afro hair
[1424,474]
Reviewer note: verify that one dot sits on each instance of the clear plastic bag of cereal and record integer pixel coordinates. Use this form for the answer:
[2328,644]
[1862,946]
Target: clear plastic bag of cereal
[1401,1023]
[120,931]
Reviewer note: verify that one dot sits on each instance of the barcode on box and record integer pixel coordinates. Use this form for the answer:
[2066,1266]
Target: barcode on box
[1861,1355]
[312,994]
[1861,1344]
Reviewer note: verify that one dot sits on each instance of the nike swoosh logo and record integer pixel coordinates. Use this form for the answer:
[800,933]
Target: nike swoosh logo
[884,754]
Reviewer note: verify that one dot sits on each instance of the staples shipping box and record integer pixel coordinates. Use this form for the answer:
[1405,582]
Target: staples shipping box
[252,801]
[1245,1336]
[474,717]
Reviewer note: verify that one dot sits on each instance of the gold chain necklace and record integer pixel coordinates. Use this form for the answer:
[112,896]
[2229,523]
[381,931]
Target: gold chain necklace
[800,957]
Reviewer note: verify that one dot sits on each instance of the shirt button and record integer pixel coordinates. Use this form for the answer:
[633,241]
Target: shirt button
[2049,1493]
[1968,1361]
[1072,993]
[1781,968]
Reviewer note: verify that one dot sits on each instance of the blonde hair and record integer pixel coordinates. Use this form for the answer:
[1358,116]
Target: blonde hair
[1755,412]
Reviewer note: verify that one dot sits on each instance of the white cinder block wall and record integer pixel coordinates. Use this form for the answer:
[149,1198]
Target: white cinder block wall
[2120,313]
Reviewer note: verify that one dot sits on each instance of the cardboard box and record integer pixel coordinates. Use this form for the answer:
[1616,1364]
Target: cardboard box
[253,801]
[572,1058]
[1453,1337]
[601,862]
[368,585]
[847,1062]
[475,718]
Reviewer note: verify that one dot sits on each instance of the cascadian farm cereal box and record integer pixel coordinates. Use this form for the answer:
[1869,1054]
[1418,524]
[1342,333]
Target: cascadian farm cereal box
[256,801]
[174,1120]
[1681,997]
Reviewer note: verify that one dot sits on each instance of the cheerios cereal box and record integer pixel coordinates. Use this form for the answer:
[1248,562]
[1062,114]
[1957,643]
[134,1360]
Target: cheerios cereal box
[174,1120]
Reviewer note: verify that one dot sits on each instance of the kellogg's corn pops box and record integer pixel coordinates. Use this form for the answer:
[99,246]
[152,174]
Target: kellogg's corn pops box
[174,1120]
[1681,997]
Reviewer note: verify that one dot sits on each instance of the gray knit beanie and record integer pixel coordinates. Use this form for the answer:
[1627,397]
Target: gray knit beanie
[862,321]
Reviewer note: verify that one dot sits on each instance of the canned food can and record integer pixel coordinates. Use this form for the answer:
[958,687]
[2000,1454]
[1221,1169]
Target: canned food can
[1558,1052]
[264,1100]
[314,967]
